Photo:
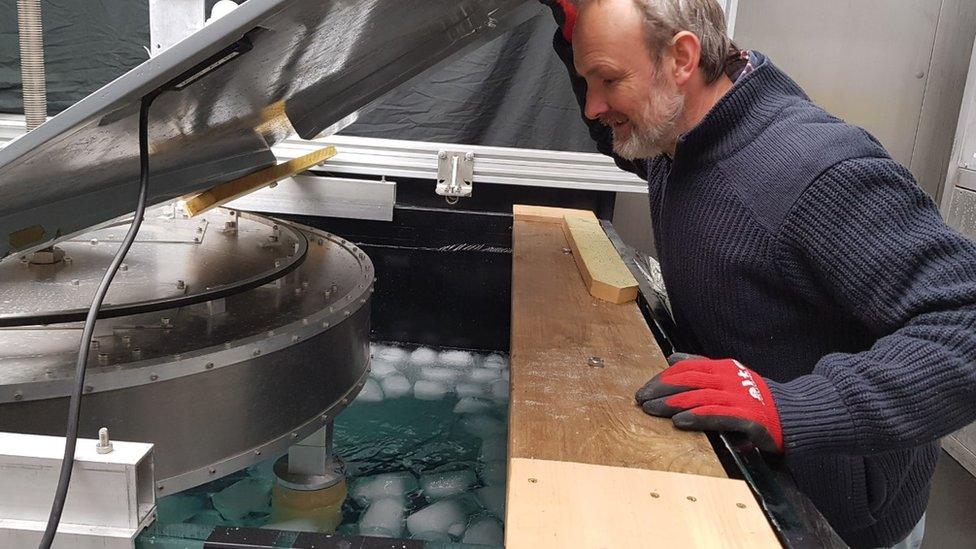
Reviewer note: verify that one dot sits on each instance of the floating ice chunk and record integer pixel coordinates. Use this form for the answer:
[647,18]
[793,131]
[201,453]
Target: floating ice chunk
[484,375]
[431,536]
[484,531]
[380,368]
[395,386]
[493,473]
[496,361]
[456,359]
[209,517]
[439,374]
[472,405]
[384,518]
[492,498]
[468,390]
[385,485]
[179,507]
[499,389]
[393,355]
[250,495]
[423,355]
[429,390]
[493,449]
[481,426]
[371,392]
[447,516]
[437,486]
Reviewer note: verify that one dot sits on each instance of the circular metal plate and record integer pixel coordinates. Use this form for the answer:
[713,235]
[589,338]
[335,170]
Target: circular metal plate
[215,386]
[174,261]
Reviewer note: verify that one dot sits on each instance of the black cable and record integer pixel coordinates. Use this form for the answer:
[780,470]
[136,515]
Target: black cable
[74,407]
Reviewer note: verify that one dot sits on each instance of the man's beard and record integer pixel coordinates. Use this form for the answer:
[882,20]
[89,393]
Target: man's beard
[654,133]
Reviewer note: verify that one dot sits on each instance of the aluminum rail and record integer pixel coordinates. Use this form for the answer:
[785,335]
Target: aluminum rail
[415,159]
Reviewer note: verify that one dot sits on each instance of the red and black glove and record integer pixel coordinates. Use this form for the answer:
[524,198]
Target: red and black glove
[564,12]
[700,394]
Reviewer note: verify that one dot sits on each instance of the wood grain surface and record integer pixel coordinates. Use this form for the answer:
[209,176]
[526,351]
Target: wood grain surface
[554,504]
[563,409]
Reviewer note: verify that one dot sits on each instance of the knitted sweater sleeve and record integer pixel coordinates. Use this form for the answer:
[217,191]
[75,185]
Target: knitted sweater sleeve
[865,235]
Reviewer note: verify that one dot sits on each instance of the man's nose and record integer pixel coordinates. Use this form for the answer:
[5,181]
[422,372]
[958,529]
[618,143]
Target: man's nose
[596,105]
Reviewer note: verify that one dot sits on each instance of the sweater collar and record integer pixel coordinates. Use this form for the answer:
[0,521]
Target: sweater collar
[749,107]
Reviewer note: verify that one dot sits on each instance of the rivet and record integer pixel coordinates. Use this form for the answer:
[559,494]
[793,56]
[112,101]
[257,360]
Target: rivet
[740,505]
[160,487]
[93,241]
[295,338]
[655,495]
[89,388]
[347,312]
[692,498]
[257,452]
[123,267]
[533,480]
[153,377]
[180,285]
[18,396]
[294,435]
[137,353]
[567,251]
[325,324]
[196,239]
[103,358]
[74,282]
[213,471]
[595,361]
[256,352]
[209,366]
[67,259]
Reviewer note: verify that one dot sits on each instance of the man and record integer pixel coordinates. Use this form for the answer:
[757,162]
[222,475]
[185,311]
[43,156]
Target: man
[836,310]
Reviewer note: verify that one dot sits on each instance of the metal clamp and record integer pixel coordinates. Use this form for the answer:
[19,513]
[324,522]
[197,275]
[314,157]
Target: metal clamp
[455,175]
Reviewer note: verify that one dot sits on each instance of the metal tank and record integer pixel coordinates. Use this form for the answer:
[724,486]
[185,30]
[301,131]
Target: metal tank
[232,336]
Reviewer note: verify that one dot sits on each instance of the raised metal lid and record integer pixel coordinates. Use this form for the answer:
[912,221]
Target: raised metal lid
[236,87]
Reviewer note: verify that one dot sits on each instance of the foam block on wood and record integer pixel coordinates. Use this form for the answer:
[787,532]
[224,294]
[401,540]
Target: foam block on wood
[547,214]
[604,273]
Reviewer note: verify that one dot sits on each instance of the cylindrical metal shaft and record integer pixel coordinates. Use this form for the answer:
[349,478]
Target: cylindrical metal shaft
[32,62]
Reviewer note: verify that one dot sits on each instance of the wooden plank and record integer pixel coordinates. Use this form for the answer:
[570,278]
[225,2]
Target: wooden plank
[225,192]
[565,410]
[547,214]
[604,273]
[558,504]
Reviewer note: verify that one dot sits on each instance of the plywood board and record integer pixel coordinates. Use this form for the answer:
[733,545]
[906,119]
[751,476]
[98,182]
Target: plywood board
[555,504]
[562,409]
[224,193]
[600,266]
[547,214]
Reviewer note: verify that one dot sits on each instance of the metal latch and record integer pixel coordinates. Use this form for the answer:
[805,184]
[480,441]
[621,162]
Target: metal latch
[455,174]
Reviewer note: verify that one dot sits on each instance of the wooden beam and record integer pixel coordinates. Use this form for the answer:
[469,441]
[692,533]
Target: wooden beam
[554,504]
[562,409]
[603,271]
[546,214]
[225,192]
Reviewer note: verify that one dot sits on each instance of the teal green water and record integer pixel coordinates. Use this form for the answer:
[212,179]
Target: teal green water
[448,453]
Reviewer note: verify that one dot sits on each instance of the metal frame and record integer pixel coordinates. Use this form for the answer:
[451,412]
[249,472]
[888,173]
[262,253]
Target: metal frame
[395,158]
[110,500]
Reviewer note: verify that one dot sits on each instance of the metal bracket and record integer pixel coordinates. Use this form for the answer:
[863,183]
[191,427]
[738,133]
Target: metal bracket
[455,175]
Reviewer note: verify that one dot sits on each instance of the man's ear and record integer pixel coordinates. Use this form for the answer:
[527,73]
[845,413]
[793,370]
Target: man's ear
[686,53]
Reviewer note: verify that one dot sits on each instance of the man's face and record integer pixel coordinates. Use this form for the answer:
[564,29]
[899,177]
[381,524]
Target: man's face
[626,88]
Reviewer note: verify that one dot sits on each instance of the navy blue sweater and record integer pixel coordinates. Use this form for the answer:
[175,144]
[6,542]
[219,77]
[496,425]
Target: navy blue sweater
[792,242]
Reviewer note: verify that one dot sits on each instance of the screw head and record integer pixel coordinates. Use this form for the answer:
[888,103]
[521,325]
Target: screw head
[595,362]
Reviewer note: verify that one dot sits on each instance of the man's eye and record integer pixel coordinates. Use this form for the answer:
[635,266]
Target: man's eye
[609,81]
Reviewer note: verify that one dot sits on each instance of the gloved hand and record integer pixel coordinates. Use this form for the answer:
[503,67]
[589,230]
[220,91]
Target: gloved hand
[701,394]
[564,12]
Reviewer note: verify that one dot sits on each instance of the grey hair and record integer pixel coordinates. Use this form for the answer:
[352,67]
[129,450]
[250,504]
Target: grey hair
[704,18]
